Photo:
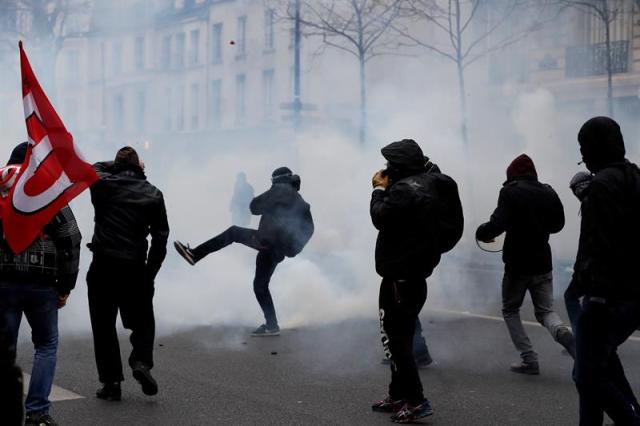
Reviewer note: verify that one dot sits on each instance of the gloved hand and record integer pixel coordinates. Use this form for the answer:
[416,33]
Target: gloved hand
[380,179]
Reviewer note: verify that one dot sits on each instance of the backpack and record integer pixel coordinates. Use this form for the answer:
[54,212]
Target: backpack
[450,217]
[299,229]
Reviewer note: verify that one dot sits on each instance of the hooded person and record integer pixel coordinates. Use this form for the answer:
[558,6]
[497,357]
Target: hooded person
[528,211]
[286,225]
[606,273]
[36,283]
[403,208]
[128,209]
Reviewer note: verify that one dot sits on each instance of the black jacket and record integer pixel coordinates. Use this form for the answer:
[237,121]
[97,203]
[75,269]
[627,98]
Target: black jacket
[404,214]
[284,213]
[52,259]
[528,211]
[609,250]
[127,210]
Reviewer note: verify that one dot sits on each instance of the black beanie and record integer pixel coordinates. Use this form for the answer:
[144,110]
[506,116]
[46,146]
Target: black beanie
[18,154]
[281,174]
[601,142]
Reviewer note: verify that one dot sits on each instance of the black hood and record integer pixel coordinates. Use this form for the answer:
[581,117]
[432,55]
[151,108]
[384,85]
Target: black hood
[18,154]
[601,143]
[404,157]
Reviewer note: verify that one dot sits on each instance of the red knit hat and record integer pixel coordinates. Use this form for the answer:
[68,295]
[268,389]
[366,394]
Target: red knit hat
[521,166]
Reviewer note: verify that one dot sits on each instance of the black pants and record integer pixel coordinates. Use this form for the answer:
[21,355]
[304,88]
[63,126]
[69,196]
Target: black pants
[119,285]
[266,262]
[10,377]
[600,379]
[400,303]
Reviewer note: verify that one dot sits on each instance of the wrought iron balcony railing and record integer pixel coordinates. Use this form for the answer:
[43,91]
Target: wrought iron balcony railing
[591,60]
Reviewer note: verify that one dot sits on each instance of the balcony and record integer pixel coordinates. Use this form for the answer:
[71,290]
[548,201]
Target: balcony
[591,60]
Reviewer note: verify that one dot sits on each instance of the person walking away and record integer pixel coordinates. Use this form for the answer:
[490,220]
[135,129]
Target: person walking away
[122,273]
[528,211]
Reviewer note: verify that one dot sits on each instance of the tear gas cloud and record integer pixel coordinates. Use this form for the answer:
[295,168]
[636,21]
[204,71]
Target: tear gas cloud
[334,277]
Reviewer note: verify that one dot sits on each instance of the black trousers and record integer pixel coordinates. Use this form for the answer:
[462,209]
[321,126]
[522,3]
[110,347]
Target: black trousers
[120,285]
[400,303]
[600,379]
[266,262]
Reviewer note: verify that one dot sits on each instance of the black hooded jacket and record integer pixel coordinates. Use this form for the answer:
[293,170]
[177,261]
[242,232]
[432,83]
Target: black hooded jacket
[284,214]
[609,246]
[528,211]
[127,210]
[404,215]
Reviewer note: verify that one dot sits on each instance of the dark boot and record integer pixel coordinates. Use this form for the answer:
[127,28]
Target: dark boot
[142,374]
[110,392]
[526,368]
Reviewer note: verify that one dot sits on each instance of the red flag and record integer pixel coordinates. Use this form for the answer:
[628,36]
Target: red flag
[52,174]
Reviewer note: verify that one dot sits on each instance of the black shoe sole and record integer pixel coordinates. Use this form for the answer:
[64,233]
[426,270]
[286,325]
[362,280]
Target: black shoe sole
[182,252]
[528,373]
[149,385]
[110,397]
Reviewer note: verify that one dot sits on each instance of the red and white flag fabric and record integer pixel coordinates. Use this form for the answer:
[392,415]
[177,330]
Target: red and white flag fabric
[53,173]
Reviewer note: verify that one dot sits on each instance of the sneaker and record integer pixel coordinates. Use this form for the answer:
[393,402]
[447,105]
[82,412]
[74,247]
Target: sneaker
[142,374]
[185,252]
[410,413]
[566,339]
[110,392]
[526,368]
[39,419]
[264,331]
[388,405]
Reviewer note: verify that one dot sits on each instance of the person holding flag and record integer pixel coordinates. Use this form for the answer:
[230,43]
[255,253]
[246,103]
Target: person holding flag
[40,241]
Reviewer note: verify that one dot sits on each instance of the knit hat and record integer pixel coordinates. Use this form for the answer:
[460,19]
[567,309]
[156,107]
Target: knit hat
[281,175]
[18,154]
[520,167]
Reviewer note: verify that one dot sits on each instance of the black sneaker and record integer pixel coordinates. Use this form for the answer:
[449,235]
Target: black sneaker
[142,374]
[523,367]
[566,339]
[410,413]
[39,419]
[388,405]
[264,331]
[110,392]
[185,252]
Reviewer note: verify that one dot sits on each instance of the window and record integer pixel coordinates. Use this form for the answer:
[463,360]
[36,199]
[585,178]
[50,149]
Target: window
[241,92]
[216,34]
[216,103]
[118,113]
[166,52]
[195,106]
[71,67]
[241,42]
[179,51]
[116,58]
[180,107]
[195,46]
[268,92]
[167,111]
[139,53]
[141,102]
[269,16]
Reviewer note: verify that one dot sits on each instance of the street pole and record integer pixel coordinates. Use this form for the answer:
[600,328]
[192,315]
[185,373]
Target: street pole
[297,103]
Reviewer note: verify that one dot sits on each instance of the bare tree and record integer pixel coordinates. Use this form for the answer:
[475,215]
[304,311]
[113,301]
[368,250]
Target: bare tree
[357,27]
[470,29]
[606,13]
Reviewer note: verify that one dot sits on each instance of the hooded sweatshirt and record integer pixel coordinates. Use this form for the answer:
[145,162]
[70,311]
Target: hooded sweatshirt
[609,246]
[528,211]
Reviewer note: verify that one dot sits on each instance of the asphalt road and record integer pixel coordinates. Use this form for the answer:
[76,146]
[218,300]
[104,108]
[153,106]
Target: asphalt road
[326,375]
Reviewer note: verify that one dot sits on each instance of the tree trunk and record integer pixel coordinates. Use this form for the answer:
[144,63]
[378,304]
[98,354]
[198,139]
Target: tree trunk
[363,100]
[607,31]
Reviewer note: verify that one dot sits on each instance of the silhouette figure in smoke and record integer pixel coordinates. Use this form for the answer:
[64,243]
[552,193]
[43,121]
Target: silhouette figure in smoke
[285,228]
[528,211]
[242,196]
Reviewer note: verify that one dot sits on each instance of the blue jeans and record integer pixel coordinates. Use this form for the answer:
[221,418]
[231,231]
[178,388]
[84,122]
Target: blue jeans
[40,306]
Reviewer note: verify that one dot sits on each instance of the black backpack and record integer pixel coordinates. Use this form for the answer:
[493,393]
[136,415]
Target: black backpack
[450,217]
[300,229]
